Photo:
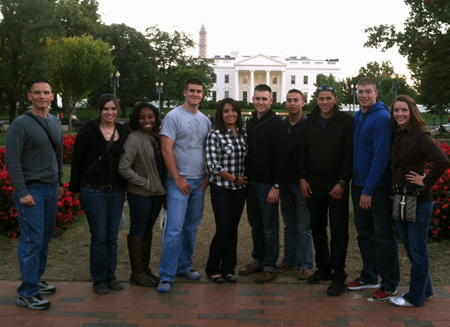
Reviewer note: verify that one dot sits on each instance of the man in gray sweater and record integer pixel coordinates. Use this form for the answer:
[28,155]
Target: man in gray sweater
[34,163]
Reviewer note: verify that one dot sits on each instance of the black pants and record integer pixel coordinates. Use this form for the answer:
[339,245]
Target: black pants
[228,206]
[330,260]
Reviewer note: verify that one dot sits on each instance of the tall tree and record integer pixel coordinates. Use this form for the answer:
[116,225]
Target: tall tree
[376,71]
[134,59]
[174,64]
[25,26]
[425,41]
[78,18]
[78,66]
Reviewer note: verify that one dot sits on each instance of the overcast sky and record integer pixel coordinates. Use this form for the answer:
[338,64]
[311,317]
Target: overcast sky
[324,29]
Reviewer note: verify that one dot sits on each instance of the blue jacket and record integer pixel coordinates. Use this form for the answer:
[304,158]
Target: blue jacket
[371,148]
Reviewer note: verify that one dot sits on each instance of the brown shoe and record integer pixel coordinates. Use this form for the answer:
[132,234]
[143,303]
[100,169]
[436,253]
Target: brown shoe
[265,277]
[283,267]
[250,269]
[304,273]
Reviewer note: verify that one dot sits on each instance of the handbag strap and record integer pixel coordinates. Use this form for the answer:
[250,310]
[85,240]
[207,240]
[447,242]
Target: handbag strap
[100,158]
[45,129]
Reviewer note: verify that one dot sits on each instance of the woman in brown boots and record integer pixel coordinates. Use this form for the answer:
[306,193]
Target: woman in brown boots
[142,165]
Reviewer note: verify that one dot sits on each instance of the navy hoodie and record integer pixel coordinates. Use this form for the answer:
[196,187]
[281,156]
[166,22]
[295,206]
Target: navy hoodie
[371,148]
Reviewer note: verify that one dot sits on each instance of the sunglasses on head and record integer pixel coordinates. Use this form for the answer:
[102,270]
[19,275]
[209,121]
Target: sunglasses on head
[325,88]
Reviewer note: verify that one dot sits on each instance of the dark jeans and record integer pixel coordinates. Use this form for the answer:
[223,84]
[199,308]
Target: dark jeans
[37,226]
[103,211]
[144,210]
[376,238]
[330,260]
[264,219]
[228,206]
[415,240]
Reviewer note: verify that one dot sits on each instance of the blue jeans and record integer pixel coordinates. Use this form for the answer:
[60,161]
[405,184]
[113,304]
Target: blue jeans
[228,206]
[103,211]
[298,246]
[144,210]
[376,238]
[184,214]
[330,259]
[415,240]
[37,226]
[265,223]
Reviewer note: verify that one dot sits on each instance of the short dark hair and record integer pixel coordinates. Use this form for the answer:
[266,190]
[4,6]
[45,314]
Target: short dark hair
[219,116]
[367,81]
[193,80]
[263,87]
[40,80]
[134,116]
[104,99]
[325,88]
[294,91]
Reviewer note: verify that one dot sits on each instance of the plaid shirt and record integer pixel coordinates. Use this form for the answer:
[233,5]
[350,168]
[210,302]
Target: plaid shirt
[225,152]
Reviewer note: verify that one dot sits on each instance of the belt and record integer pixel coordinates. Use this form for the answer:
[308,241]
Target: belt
[408,190]
[103,188]
[34,181]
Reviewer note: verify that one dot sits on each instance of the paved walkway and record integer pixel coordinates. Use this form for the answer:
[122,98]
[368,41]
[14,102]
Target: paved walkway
[194,304]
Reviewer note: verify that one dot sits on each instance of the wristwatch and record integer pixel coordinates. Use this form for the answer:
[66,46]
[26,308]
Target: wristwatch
[342,183]
[276,186]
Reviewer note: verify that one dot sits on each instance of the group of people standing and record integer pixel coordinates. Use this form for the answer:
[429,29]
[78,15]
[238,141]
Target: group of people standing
[306,164]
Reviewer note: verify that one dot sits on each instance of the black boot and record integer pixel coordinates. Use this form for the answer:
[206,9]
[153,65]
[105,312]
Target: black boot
[138,275]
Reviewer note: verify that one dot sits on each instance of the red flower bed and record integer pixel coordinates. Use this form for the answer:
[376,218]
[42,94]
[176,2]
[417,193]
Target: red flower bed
[68,142]
[9,224]
[440,225]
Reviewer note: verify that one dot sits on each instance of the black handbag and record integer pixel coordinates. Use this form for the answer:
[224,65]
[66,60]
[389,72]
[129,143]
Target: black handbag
[405,207]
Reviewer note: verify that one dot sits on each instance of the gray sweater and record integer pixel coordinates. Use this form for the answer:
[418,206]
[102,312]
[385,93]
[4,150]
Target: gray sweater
[29,153]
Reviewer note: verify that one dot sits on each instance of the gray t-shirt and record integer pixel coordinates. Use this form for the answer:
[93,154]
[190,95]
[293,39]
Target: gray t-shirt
[188,130]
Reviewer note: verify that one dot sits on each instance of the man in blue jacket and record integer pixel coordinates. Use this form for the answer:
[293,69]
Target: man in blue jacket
[370,193]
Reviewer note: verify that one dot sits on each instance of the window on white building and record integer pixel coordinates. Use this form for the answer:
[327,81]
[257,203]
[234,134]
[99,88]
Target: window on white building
[227,94]
[260,80]
[305,79]
[305,96]
[293,79]
[214,95]
[245,79]
[244,96]
[275,80]
[274,96]
[227,78]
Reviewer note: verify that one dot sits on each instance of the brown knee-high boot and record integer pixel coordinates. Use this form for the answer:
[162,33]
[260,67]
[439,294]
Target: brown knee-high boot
[138,275]
[146,250]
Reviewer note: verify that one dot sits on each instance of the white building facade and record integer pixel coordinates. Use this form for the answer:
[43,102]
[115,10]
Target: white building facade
[237,76]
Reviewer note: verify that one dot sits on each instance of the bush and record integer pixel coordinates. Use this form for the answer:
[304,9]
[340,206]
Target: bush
[9,224]
[440,225]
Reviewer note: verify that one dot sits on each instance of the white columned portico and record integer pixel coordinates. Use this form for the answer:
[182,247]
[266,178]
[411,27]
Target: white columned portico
[252,83]
[283,85]
[236,84]
[268,77]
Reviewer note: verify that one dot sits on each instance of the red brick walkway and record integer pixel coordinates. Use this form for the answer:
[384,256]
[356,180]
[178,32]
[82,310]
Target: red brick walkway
[207,304]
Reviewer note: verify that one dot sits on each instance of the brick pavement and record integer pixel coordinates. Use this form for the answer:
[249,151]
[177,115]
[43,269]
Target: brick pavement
[195,304]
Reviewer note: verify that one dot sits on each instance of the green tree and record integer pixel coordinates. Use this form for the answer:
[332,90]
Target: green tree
[25,26]
[77,66]
[134,59]
[78,18]
[425,41]
[376,71]
[322,80]
[174,65]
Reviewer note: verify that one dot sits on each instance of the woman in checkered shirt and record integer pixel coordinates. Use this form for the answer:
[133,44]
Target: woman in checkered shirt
[226,149]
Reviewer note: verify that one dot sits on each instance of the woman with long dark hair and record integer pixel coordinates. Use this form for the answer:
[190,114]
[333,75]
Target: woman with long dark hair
[142,165]
[96,181]
[412,148]
[225,153]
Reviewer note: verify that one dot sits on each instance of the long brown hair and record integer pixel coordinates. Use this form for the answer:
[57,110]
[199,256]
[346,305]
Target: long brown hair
[415,120]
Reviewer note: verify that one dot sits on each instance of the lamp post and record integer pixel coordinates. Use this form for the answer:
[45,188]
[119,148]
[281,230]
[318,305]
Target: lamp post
[354,96]
[159,89]
[115,81]
[396,84]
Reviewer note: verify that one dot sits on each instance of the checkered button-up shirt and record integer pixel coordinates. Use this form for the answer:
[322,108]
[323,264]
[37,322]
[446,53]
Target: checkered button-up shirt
[225,152]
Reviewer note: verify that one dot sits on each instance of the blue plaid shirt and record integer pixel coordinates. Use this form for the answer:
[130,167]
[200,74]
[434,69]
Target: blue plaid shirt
[225,152]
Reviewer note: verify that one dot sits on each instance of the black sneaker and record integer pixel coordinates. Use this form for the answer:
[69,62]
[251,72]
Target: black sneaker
[318,277]
[336,288]
[45,288]
[36,302]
